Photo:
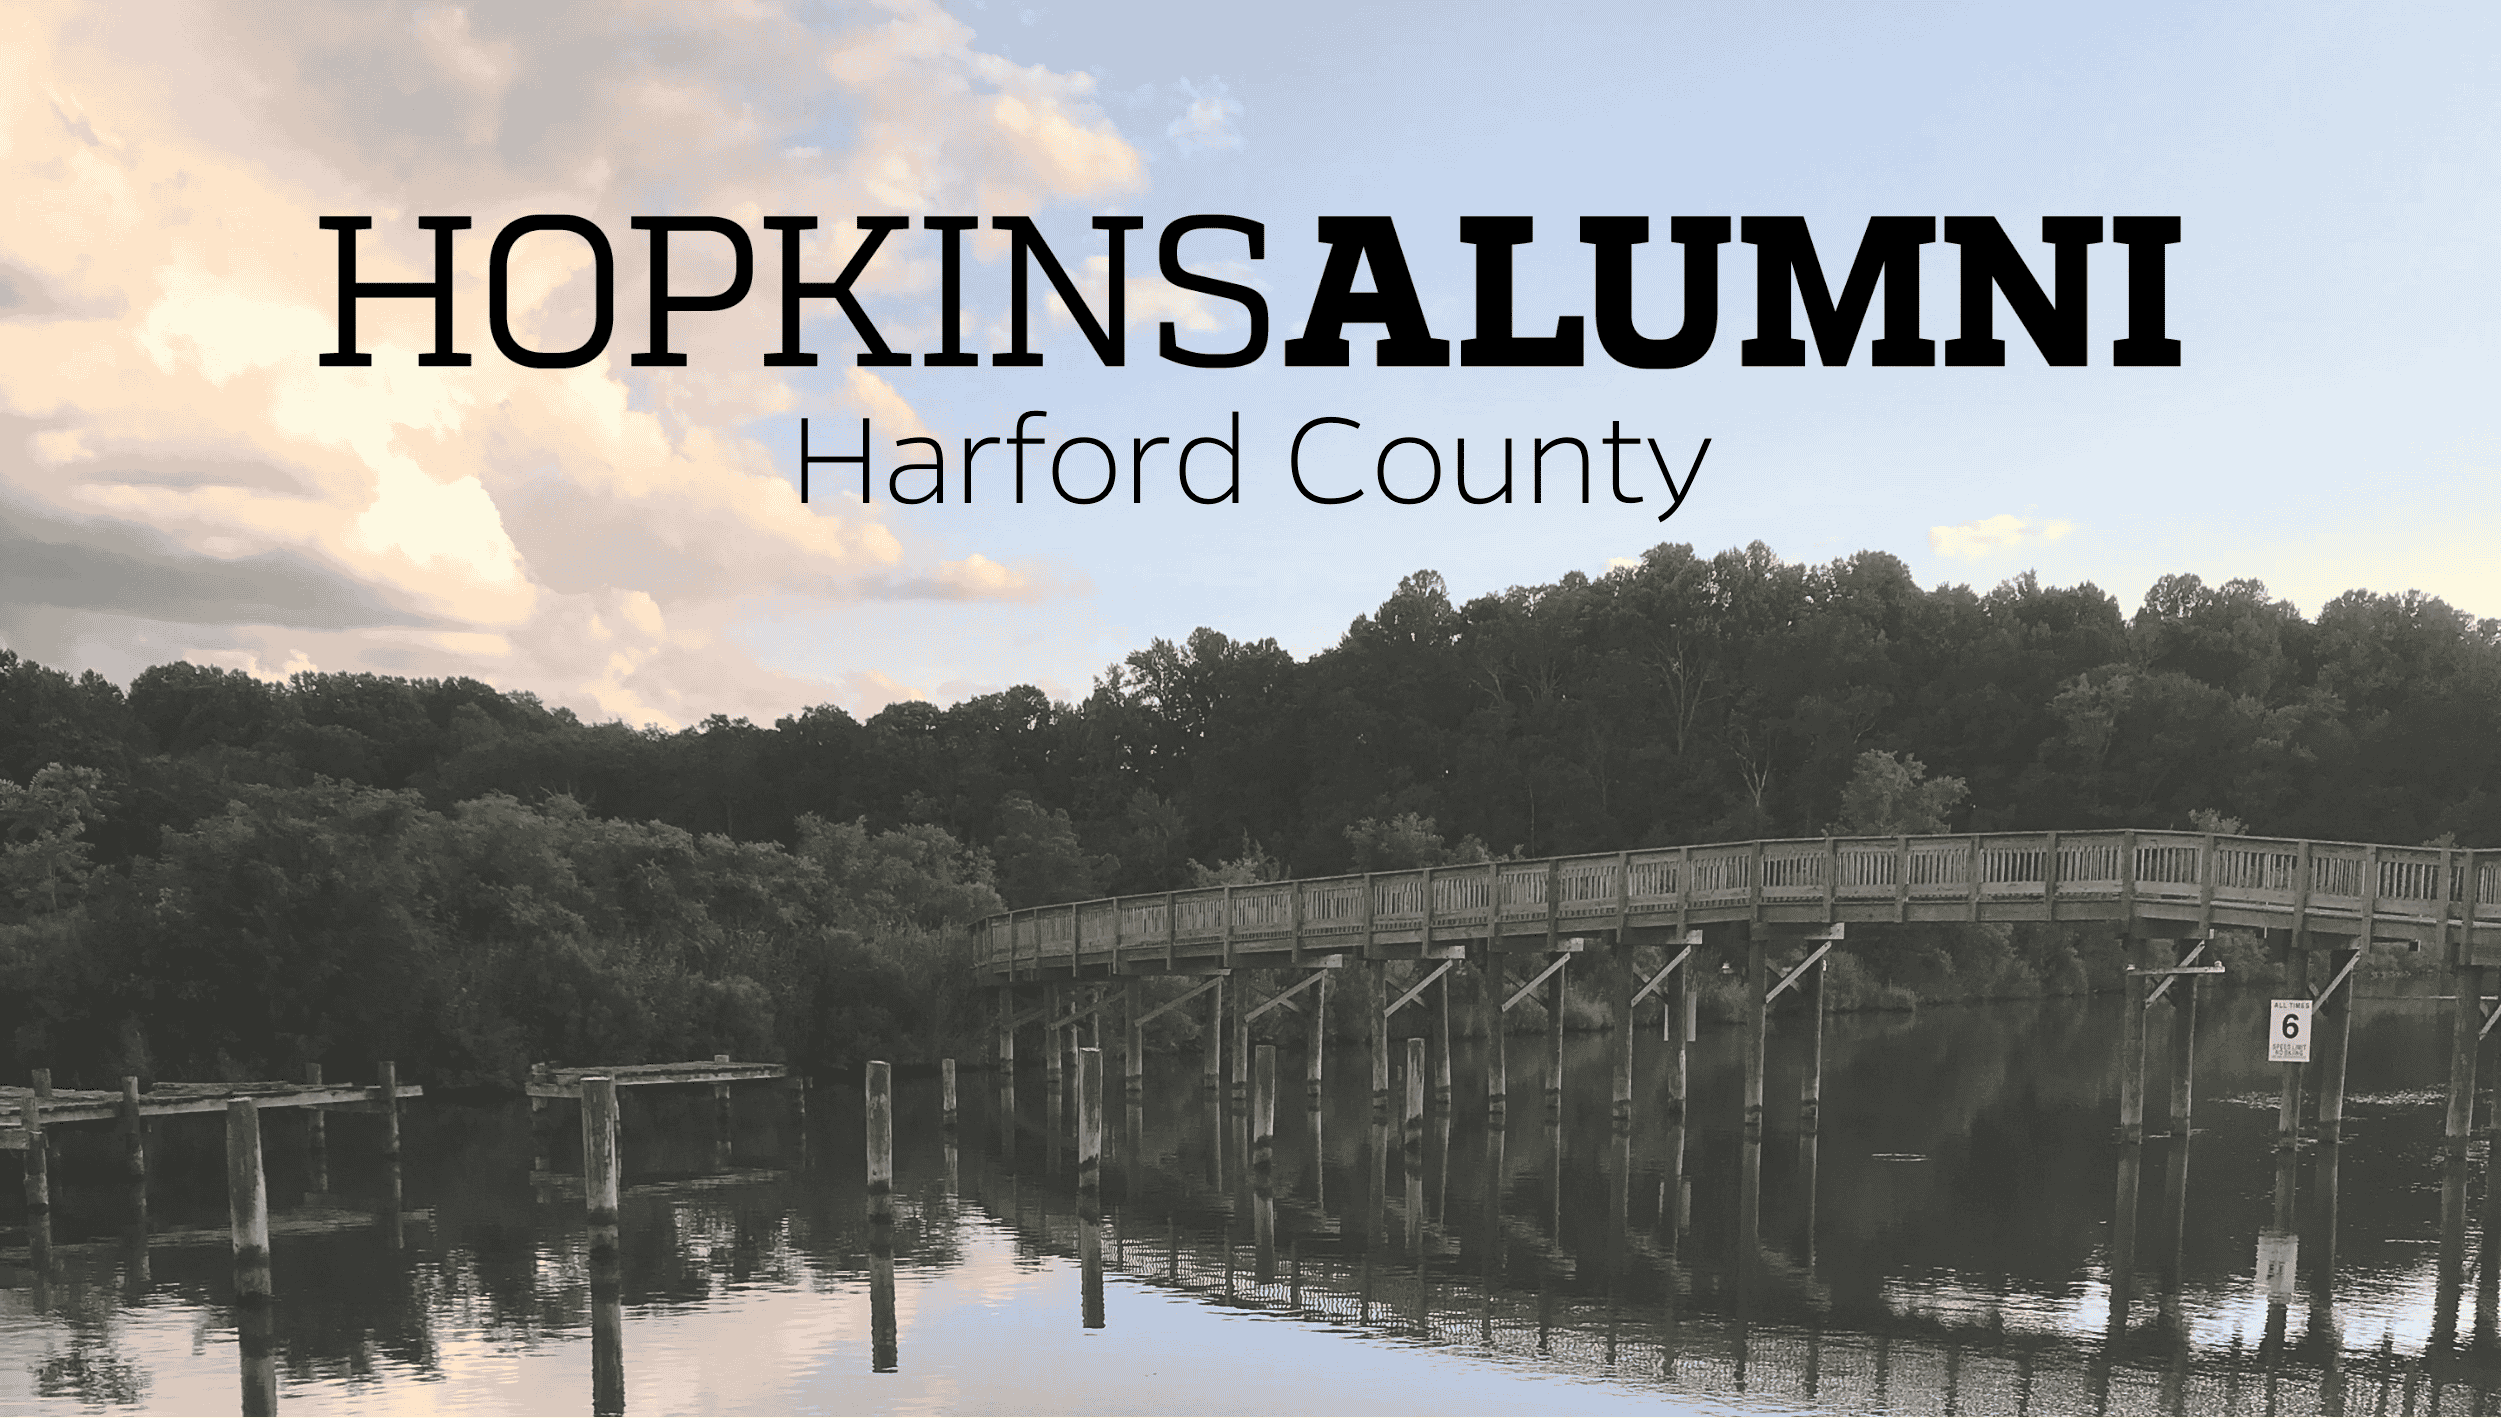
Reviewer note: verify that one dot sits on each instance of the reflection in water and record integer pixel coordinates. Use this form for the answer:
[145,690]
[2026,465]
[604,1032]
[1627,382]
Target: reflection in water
[1957,1273]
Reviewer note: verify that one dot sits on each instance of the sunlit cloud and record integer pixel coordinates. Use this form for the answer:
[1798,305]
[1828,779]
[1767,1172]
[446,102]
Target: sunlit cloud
[1994,536]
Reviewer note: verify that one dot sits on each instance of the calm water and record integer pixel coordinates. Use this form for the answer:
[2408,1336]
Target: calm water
[1947,1244]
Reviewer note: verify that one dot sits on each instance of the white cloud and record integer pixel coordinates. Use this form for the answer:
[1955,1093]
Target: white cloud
[1206,124]
[195,483]
[1993,536]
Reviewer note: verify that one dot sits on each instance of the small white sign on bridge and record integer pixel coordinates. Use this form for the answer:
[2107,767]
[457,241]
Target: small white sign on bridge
[2288,1031]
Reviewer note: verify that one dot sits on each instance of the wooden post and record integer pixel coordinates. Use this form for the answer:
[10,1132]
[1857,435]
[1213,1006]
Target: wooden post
[135,1143]
[1314,1066]
[2335,1032]
[1133,1061]
[1006,1061]
[2465,1033]
[723,1119]
[389,1080]
[1264,1115]
[1415,1102]
[247,1202]
[2131,1052]
[946,1094]
[1677,1027]
[38,1168]
[879,1087]
[601,1160]
[1240,1019]
[1811,1085]
[247,1208]
[1211,1062]
[2296,971]
[1490,991]
[1053,1065]
[1620,1041]
[1090,1134]
[316,1131]
[42,1079]
[1554,1042]
[1755,1005]
[2183,1048]
[1376,1035]
[1441,1043]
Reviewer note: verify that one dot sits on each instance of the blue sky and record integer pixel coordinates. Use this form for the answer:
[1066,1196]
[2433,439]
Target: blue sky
[183,483]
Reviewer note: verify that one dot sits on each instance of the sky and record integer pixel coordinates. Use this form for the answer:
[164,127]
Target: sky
[180,478]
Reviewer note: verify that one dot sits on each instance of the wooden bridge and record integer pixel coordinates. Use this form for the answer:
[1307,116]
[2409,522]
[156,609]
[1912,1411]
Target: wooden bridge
[1640,917]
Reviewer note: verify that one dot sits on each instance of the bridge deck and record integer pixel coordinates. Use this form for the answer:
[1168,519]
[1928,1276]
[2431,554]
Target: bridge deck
[2177,882]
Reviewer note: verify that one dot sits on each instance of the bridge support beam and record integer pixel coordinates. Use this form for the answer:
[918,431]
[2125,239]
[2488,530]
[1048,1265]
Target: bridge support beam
[1755,1022]
[1441,1044]
[1811,1083]
[2294,959]
[1376,1035]
[2132,992]
[1133,1059]
[1677,1029]
[1211,1054]
[1620,1039]
[1554,1042]
[2184,1046]
[1315,1066]
[1239,1019]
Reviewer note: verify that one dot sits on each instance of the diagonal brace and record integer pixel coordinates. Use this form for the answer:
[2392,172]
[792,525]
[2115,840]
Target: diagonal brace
[2189,959]
[1193,992]
[1803,966]
[1661,978]
[1420,986]
[2340,979]
[1286,995]
[1535,980]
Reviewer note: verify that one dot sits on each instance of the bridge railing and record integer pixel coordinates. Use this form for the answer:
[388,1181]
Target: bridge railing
[2343,882]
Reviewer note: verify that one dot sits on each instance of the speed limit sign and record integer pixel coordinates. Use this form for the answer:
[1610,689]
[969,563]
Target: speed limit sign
[2288,1031]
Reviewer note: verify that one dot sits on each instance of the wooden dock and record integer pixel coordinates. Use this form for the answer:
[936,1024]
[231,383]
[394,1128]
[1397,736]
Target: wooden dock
[82,1105]
[551,1082]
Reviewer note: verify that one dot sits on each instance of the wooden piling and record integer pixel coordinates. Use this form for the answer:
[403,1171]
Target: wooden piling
[1441,1044]
[1054,1059]
[1554,1041]
[946,1094]
[1006,1046]
[602,1163]
[1090,1133]
[1376,1035]
[1315,1058]
[878,1086]
[1133,1058]
[38,1167]
[2184,1049]
[1239,1019]
[1264,1115]
[1090,1274]
[135,1140]
[2465,1033]
[1211,1055]
[247,1202]
[1620,1034]
[2296,971]
[389,1072]
[316,1132]
[2334,1033]
[1677,1027]
[2131,1053]
[1811,1083]
[1753,1015]
[1489,988]
[42,1079]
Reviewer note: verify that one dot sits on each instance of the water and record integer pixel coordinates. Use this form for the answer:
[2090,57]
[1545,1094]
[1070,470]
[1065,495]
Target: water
[1945,1244]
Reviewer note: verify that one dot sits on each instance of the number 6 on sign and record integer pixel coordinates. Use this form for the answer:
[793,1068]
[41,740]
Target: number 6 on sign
[2288,1031]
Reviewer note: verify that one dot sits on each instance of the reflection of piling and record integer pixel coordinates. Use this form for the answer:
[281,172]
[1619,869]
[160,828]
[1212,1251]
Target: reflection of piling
[878,1087]
[1090,1272]
[603,1171]
[1090,1133]
[883,1354]
[2123,1232]
[607,1337]
[247,1206]
[2452,1272]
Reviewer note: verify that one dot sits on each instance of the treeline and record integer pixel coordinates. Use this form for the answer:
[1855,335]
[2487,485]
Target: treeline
[210,872]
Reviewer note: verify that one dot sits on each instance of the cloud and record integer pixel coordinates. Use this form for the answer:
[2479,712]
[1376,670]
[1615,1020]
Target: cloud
[1991,536]
[1206,124]
[178,475]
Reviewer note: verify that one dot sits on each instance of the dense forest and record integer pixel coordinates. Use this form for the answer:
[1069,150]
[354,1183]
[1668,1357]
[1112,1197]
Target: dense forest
[209,874]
